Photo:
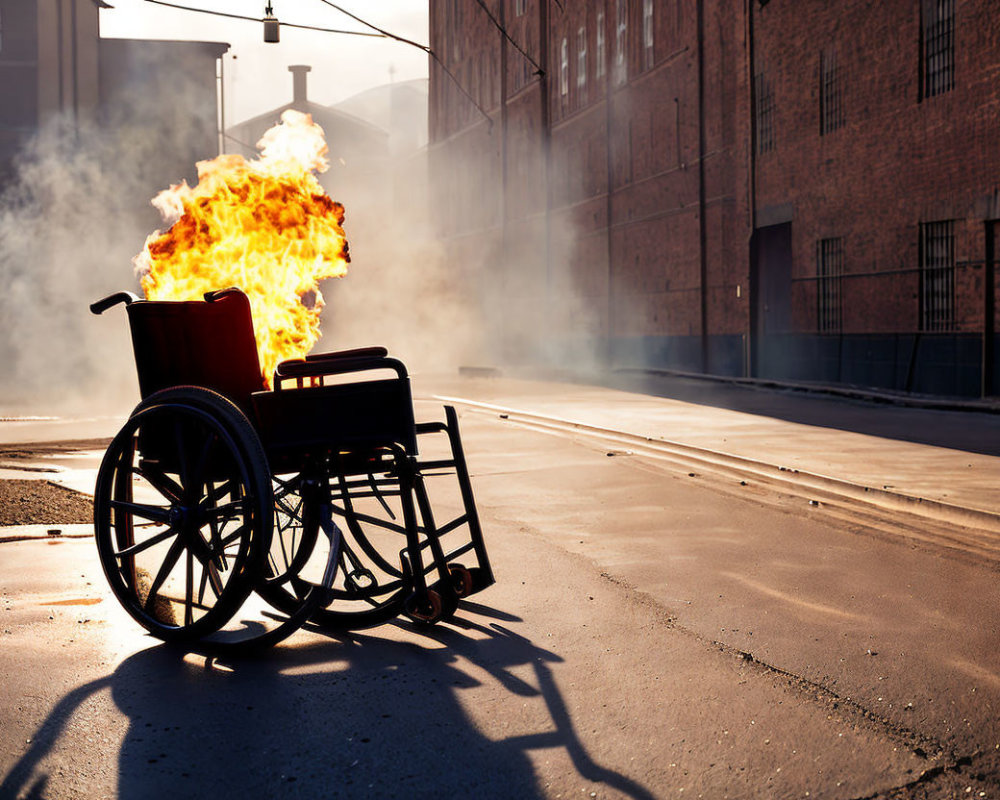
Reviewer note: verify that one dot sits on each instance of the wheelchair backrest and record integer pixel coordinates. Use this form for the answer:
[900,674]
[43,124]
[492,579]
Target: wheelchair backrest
[206,343]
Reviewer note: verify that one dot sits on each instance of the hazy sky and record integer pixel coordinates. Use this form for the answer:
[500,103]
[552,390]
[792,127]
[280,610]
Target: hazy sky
[256,74]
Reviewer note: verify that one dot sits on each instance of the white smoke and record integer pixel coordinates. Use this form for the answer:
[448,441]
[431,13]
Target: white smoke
[73,214]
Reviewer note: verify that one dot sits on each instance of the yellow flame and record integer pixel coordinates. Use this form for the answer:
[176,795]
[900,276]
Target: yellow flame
[266,226]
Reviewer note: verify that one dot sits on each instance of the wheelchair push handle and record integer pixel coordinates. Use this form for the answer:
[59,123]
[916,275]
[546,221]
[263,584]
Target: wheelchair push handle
[111,300]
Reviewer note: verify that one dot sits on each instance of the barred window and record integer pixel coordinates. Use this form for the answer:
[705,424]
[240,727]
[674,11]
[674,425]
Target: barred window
[829,269]
[456,25]
[764,114]
[581,60]
[621,28]
[647,32]
[939,47]
[599,66]
[831,110]
[937,276]
[564,68]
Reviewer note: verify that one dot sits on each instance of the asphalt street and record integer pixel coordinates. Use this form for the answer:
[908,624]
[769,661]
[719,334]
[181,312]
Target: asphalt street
[742,594]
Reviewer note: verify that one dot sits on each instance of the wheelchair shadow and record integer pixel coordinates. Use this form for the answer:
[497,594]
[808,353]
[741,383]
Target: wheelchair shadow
[357,715]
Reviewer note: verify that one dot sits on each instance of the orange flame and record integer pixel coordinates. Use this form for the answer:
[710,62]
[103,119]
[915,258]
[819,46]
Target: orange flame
[264,225]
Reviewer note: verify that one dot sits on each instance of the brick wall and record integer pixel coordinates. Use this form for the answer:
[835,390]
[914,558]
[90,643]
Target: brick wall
[898,160]
[630,192]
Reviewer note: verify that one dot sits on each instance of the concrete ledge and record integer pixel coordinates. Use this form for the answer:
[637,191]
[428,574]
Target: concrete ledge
[988,406]
[21,533]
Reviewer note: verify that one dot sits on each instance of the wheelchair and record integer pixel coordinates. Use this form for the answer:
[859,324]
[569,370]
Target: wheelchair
[307,502]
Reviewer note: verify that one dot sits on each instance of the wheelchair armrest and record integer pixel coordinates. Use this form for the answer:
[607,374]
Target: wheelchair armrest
[358,352]
[112,300]
[301,368]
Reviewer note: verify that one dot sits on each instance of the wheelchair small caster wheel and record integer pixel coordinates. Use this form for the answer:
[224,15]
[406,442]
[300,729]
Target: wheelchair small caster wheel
[461,580]
[425,608]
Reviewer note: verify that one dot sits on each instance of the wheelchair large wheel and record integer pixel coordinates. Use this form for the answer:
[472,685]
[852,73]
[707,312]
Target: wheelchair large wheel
[369,587]
[183,512]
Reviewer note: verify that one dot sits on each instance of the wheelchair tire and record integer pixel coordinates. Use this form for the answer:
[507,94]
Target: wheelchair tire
[183,512]
[350,604]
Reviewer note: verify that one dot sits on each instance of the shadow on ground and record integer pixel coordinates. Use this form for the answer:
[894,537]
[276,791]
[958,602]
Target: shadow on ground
[353,716]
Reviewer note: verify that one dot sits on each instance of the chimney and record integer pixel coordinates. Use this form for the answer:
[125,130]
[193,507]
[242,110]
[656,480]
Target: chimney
[299,83]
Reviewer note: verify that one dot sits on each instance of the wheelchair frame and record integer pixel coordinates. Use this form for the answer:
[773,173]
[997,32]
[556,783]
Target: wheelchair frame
[217,489]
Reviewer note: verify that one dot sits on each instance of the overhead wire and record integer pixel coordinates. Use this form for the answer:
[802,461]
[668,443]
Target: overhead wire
[378,33]
[261,19]
[385,33]
[538,70]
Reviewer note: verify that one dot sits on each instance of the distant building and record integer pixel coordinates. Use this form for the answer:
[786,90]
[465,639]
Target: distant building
[803,191]
[400,109]
[156,95]
[48,66]
[167,93]
[359,150]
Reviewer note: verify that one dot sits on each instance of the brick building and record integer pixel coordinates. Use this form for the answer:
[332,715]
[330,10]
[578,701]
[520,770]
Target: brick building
[802,191]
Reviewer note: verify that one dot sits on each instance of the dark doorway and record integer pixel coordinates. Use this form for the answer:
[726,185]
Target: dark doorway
[771,291]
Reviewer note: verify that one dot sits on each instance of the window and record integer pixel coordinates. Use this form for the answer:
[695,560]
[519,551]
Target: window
[581,60]
[829,269]
[831,110]
[939,47]
[647,32]
[764,114]
[520,7]
[937,276]
[621,26]
[564,68]
[456,25]
[599,66]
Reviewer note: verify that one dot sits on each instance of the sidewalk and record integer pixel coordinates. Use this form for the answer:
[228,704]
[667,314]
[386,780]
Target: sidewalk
[944,456]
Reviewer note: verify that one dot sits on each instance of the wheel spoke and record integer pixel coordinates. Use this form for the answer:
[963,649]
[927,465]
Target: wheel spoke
[235,535]
[189,588]
[160,481]
[143,510]
[284,548]
[155,539]
[203,584]
[169,561]
[213,494]
[215,580]
[224,513]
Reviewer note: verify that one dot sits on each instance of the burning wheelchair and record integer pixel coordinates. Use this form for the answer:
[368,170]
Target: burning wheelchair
[308,499]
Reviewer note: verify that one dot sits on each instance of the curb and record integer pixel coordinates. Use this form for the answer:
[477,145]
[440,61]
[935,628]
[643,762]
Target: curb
[26,533]
[788,476]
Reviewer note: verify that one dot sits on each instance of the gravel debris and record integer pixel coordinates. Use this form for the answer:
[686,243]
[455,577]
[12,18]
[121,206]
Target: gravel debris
[40,502]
